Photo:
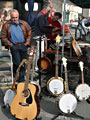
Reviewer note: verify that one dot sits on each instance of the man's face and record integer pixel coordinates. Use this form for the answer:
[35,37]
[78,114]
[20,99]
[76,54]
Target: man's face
[15,17]
[55,18]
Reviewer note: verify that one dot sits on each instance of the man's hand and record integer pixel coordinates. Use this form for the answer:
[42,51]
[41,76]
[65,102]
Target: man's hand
[55,29]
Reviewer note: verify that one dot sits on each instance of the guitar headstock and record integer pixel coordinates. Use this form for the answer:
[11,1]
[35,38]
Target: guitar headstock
[32,50]
[81,64]
[64,60]
[58,38]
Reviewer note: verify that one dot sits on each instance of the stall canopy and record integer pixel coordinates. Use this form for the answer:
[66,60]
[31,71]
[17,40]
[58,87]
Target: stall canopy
[82,3]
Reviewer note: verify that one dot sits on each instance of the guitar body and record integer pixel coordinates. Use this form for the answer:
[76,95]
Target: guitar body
[25,106]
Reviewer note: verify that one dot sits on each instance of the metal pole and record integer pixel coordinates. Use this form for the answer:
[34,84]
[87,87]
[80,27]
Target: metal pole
[64,14]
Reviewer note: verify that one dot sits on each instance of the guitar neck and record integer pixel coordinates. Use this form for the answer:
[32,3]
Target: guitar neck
[29,61]
[27,73]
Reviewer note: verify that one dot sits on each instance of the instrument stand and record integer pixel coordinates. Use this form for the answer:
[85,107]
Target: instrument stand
[45,91]
[40,63]
[68,115]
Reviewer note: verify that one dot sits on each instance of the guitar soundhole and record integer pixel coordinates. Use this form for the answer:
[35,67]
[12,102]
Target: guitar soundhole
[27,94]
[29,99]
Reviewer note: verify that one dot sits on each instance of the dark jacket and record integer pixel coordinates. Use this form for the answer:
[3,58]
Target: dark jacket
[6,32]
[40,25]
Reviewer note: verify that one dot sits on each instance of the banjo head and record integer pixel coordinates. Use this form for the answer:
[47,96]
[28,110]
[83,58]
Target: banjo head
[82,92]
[55,86]
[67,103]
[9,96]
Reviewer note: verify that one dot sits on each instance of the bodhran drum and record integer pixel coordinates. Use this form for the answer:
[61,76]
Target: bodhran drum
[66,103]
[55,86]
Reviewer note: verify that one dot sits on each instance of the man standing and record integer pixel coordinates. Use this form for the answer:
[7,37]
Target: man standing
[16,36]
[41,22]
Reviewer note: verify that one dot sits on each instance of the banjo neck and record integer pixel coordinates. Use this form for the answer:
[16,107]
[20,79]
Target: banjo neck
[66,80]
[57,48]
[82,73]
[66,75]
[82,77]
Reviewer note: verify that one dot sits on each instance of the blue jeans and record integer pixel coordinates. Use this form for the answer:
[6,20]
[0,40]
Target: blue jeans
[18,54]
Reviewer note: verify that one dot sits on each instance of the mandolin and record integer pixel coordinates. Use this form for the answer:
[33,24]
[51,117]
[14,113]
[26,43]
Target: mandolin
[55,84]
[25,104]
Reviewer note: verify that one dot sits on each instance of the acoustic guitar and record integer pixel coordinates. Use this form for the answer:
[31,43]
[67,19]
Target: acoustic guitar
[25,105]
[55,84]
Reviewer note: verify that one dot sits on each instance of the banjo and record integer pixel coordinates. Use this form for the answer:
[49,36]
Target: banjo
[10,93]
[83,90]
[66,102]
[55,84]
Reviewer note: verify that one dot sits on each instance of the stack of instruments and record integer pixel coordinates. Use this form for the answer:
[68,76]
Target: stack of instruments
[66,101]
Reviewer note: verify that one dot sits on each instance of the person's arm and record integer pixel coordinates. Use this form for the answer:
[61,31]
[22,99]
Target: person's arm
[5,37]
[29,34]
[43,22]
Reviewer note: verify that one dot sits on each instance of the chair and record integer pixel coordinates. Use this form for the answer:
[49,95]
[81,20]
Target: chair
[6,66]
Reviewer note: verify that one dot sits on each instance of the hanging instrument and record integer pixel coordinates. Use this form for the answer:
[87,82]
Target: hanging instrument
[10,93]
[25,104]
[75,45]
[45,62]
[66,102]
[55,84]
[83,90]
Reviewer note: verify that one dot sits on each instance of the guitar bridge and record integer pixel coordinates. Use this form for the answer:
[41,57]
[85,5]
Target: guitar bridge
[23,104]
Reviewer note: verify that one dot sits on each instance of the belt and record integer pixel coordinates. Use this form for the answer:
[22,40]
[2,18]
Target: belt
[19,44]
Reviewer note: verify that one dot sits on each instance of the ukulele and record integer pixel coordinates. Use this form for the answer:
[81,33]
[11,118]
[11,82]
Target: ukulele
[55,84]
[25,104]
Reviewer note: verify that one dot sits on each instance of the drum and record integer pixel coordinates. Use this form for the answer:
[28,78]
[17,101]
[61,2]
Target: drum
[55,86]
[66,103]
